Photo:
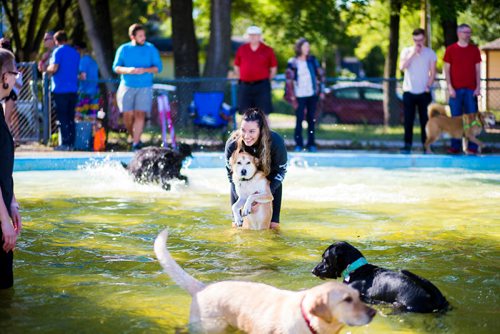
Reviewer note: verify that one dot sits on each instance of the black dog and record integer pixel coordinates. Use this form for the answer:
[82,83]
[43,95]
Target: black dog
[158,164]
[405,290]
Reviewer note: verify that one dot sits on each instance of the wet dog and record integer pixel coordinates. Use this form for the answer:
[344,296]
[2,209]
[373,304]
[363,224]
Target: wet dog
[466,127]
[404,290]
[159,165]
[259,308]
[251,187]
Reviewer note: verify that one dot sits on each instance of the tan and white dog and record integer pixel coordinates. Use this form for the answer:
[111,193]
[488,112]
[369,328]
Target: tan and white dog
[466,127]
[251,186]
[258,308]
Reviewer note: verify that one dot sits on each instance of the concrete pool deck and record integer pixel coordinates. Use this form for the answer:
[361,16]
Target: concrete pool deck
[43,161]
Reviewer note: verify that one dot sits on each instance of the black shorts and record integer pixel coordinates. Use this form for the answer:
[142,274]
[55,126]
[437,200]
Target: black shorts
[255,95]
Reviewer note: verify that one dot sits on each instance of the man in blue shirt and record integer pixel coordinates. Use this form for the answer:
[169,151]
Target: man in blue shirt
[63,66]
[136,61]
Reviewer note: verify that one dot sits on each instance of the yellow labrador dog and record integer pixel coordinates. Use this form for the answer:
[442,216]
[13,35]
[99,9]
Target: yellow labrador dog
[467,127]
[251,187]
[259,308]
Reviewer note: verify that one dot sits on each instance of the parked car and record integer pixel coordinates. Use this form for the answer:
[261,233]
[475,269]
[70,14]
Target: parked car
[355,103]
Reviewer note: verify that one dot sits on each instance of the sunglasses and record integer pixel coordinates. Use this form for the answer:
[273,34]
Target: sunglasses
[14,73]
[418,39]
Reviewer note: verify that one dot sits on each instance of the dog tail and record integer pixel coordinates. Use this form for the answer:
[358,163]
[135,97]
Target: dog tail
[182,278]
[435,109]
[439,302]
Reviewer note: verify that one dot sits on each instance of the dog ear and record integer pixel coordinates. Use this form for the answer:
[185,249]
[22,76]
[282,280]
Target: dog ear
[320,307]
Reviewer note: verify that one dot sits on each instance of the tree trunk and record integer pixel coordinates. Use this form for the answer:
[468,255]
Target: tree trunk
[449,30]
[99,46]
[185,49]
[448,18]
[391,108]
[219,48]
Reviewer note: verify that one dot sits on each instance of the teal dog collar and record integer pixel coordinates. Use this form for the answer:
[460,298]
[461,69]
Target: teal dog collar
[353,266]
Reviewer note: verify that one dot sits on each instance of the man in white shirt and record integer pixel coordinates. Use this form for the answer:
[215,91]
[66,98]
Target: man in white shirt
[419,65]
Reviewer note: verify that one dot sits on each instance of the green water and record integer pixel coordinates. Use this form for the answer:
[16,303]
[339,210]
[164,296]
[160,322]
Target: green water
[85,263]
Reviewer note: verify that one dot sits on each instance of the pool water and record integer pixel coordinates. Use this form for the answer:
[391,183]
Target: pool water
[85,260]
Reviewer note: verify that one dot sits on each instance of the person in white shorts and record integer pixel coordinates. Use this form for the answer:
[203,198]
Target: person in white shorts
[136,61]
[419,65]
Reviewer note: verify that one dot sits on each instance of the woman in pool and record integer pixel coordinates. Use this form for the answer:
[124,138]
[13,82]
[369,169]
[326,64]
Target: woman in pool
[255,137]
[9,208]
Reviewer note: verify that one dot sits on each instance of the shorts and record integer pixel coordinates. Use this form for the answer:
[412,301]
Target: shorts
[464,102]
[129,98]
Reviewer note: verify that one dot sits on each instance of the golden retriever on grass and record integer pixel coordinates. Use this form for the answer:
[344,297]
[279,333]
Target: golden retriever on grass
[260,309]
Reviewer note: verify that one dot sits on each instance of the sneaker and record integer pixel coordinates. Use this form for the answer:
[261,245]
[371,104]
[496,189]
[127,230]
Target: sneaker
[312,149]
[297,149]
[137,147]
[471,151]
[454,151]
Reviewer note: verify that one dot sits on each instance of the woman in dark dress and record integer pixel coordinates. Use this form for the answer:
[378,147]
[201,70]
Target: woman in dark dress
[255,137]
[9,208]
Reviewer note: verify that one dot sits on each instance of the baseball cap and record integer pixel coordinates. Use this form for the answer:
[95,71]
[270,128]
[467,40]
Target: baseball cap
[254,30]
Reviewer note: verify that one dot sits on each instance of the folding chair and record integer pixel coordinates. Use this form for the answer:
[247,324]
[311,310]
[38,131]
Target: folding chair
[210,112]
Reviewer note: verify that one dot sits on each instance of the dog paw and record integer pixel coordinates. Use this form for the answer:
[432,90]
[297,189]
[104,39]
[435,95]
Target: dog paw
[247,209]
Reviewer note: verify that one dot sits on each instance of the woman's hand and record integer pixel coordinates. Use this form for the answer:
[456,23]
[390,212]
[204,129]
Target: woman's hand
[16,217]
[9,235]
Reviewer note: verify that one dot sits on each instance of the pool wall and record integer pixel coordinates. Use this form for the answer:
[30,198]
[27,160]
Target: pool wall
[74,161]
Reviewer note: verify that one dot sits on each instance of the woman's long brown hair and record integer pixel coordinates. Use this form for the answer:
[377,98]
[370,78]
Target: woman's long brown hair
[264,142]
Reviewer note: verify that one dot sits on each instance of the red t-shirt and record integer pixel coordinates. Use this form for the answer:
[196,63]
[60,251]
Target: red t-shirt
[255,65]
[463,62]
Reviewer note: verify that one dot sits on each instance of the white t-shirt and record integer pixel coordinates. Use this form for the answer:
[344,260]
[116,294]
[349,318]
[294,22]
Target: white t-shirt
[303,84]
[417,74]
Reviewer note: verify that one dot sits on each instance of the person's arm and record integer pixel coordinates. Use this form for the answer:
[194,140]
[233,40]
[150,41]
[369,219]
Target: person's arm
[15,215]
[228,152]
[407,58]
[477,91]
[236,72]
[52,68]
[9,234]
[451,90]
[279,161]
[272,72]
[432,75]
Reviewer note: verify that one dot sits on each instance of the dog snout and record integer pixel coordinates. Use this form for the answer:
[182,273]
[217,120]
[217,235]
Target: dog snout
[243,172]
[319,270]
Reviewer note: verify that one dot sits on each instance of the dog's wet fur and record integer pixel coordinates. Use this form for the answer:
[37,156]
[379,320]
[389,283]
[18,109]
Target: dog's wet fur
[159,164]
[406,291]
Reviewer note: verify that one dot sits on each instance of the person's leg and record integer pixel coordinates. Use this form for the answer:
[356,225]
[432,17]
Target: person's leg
[423,102]
[311,121]
[470,107]
[263,96]
[456,109]
[128,120]
[243,97]
[299,118]
[60,101]
[6,271]
[277,205]
[72,99]
[409,118]
[143,99]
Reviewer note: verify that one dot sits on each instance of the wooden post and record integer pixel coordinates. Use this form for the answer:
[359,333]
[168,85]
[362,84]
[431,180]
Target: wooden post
[425,20]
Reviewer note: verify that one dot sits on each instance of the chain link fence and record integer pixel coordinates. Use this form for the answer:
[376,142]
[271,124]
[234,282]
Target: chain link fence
[346,101]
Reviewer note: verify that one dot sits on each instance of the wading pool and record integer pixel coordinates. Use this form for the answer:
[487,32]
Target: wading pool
[85,261]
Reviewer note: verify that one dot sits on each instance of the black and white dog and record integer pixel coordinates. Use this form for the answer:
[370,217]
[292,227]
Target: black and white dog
[404,290]
[159,164]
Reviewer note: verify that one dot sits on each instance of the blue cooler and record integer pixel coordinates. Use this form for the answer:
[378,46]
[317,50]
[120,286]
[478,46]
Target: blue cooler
[83,140]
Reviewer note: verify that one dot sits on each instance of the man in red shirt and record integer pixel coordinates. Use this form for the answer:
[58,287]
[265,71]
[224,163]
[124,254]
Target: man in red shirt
[462,68]
[255,64]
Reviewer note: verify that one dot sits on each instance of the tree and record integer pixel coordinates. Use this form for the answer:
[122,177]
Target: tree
[391,114]
[32,30]
[102,44]
[185,49]
[219,48]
